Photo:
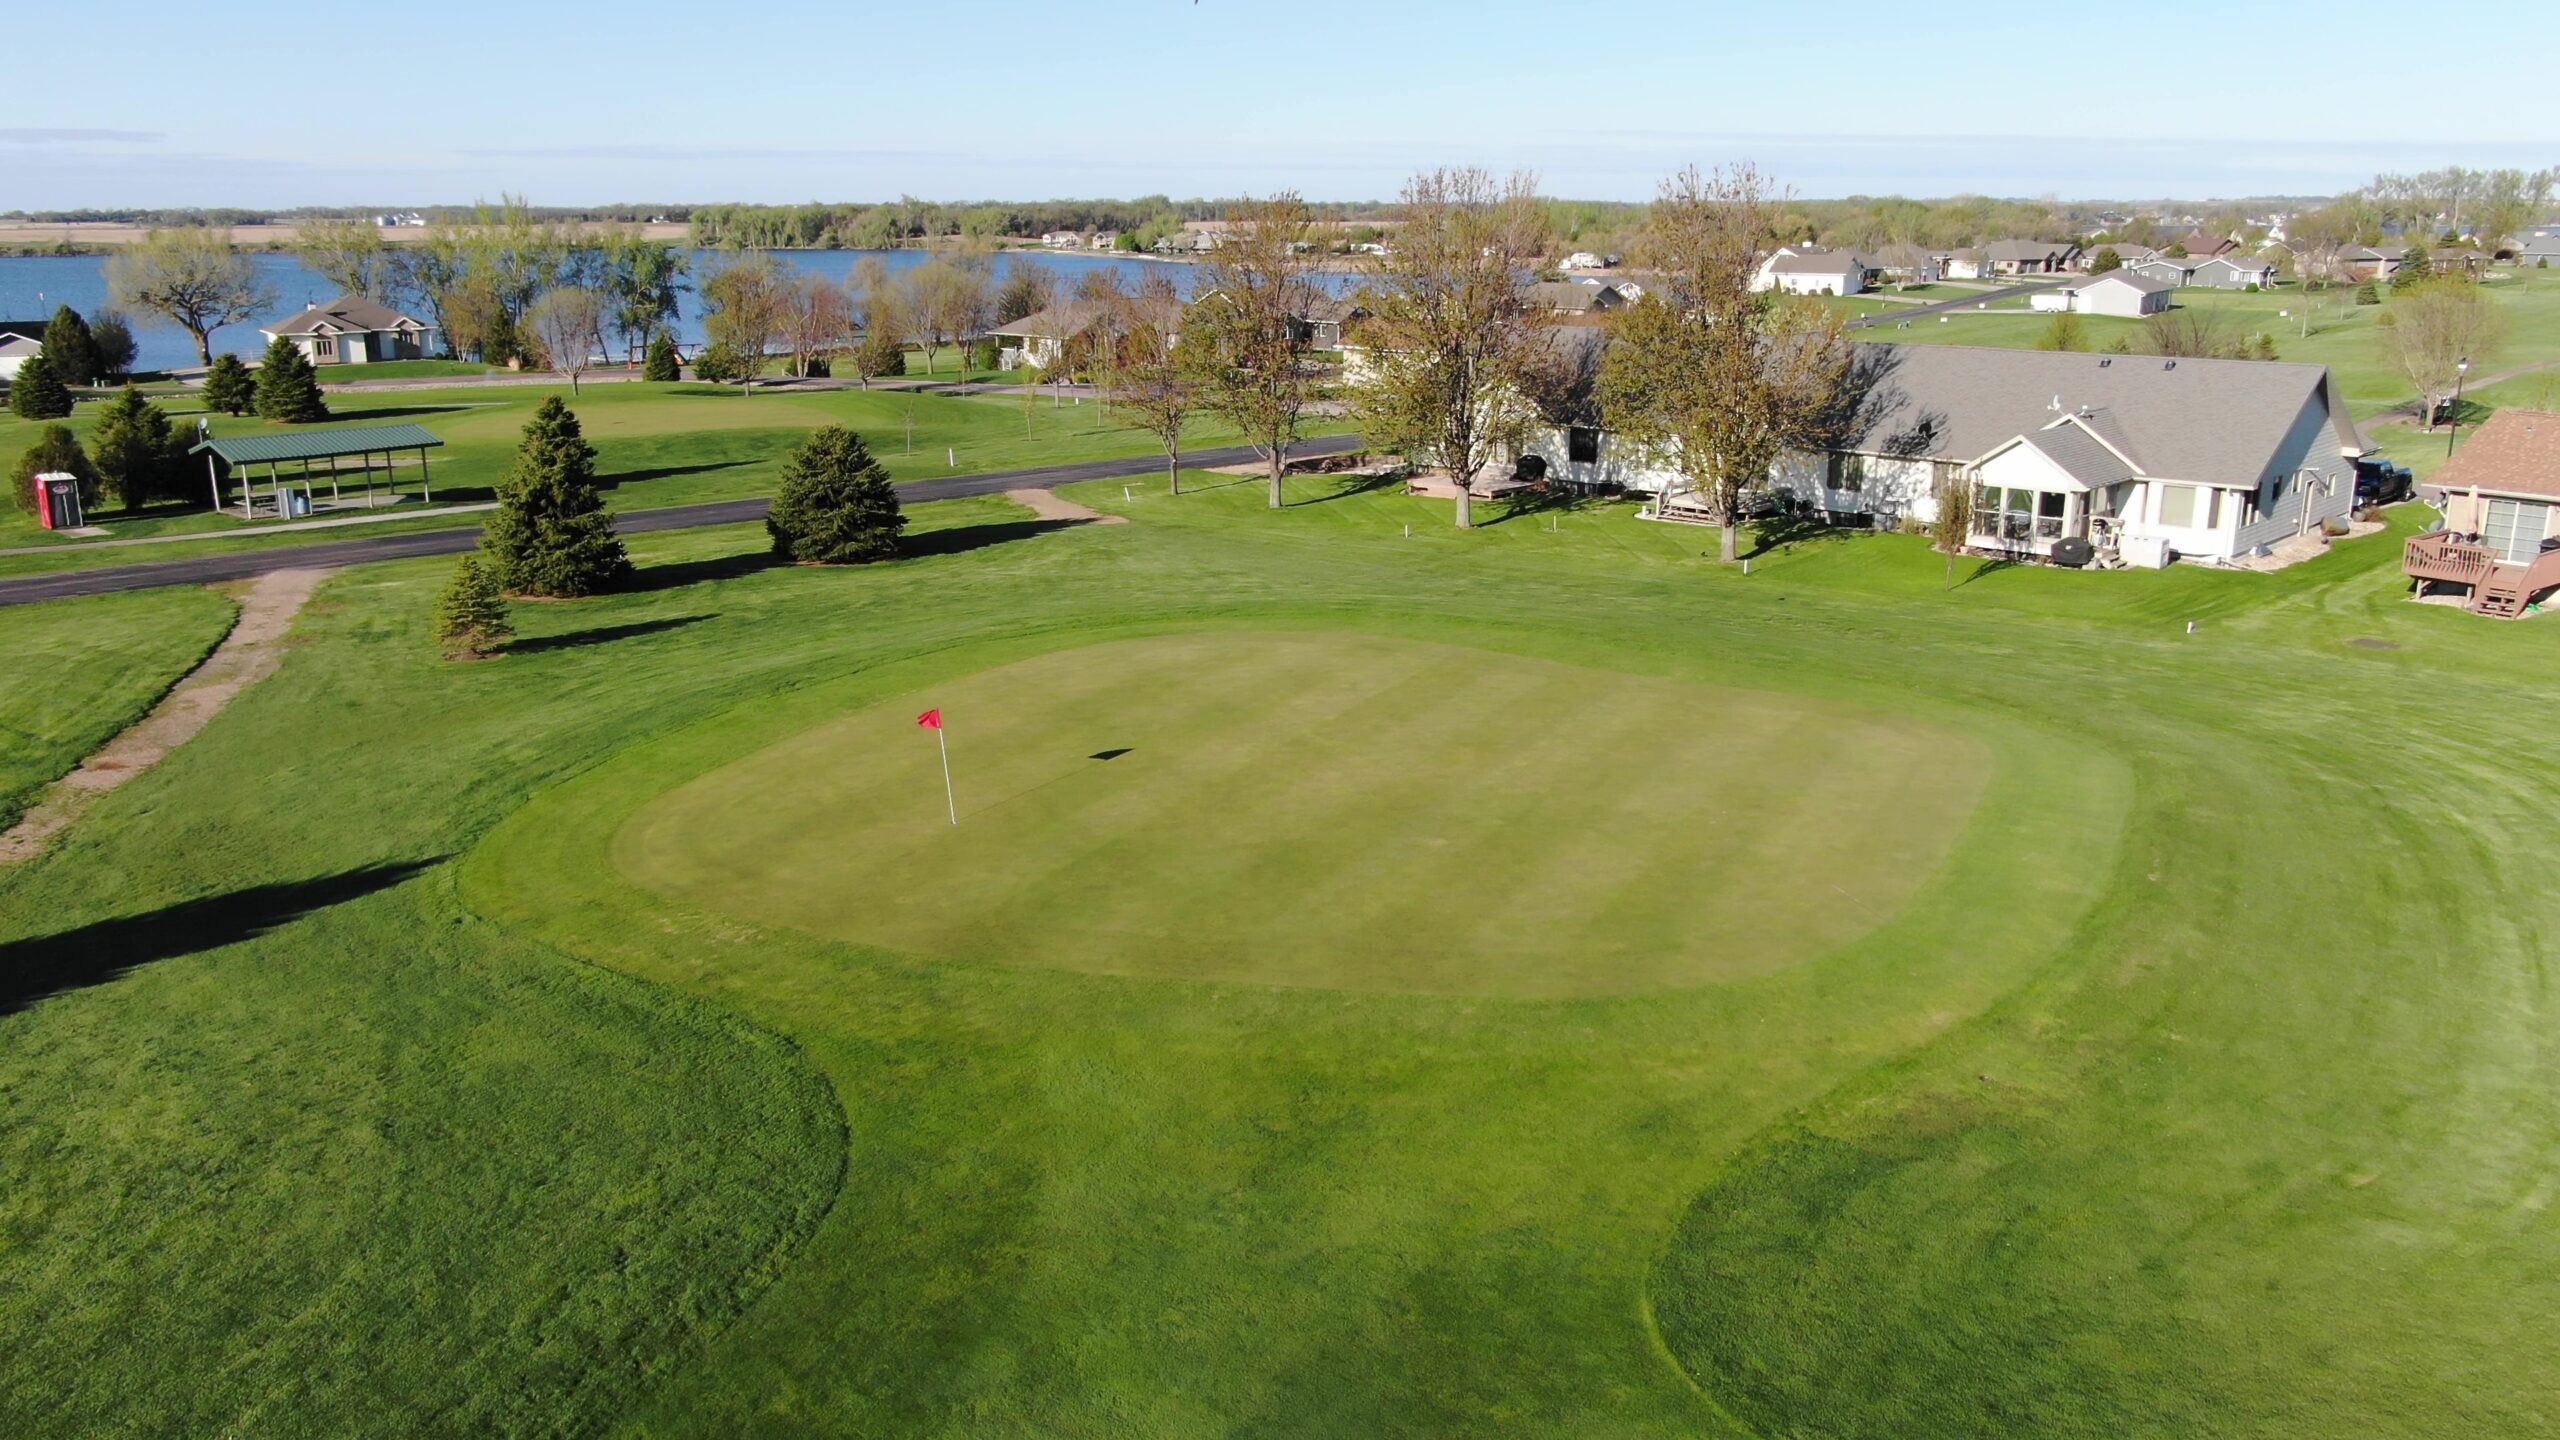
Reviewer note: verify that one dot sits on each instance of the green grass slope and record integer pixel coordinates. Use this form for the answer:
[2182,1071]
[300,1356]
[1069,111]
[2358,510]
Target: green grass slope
[74,673]
[2198,1090]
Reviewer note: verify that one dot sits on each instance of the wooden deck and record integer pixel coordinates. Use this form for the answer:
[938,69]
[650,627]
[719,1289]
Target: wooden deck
[2497,587]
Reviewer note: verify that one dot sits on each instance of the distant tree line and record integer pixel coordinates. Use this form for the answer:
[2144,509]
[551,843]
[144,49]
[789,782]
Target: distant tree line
[908,220]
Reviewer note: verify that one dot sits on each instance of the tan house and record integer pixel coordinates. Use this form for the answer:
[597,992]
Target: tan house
[353,330]
[2500,493]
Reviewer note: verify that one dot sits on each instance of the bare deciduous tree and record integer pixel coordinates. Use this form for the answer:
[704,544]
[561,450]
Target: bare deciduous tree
[749,302]
[192,279]
[1716,379]
[1152,380]
[566,323]
[2431,328]
[1257,289]
[818,320]
[943,300]
[349,254]
[1450,335]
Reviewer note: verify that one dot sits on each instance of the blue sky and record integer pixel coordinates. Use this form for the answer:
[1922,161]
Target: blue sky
[1029,99]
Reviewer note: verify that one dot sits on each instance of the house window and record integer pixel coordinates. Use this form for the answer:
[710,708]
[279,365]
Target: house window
[1844,473]
[1582,445]
[2514,528]
[325,348]
[2178,505]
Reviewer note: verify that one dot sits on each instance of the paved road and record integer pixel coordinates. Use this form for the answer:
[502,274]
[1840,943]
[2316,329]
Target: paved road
[242,564]
[1898,314]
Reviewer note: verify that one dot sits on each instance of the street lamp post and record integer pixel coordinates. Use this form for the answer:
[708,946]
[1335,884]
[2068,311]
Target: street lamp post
[2453,427]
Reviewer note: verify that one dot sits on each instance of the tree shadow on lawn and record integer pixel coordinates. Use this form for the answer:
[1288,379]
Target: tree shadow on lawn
[621,478]
[395,412]
[605,634]
[958,540]
[1787,531]
[47,965]
[964,538]
[1345,486]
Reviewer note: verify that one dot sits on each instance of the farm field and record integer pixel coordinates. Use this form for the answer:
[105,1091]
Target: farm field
[1520,982]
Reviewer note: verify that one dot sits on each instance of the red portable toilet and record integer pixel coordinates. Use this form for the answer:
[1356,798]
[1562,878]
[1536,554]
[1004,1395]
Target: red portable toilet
[58,502]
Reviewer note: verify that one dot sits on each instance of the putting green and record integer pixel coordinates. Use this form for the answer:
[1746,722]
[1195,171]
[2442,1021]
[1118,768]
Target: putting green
[1329,810]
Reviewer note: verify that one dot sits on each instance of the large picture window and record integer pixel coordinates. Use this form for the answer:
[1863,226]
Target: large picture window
[2178,505]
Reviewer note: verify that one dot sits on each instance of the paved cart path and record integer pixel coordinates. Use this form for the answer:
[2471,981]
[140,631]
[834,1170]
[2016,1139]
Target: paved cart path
[267,560]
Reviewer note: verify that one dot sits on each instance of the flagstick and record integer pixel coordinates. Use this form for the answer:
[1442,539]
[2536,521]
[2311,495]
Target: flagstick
[948,798]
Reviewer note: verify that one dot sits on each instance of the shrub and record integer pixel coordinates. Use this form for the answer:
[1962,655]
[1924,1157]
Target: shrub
[834,505]
[112,337]
[137,452]
[37,393]
[229,387]
[288,388]
[471,613]
[882,355]
[661,362]
[2367,293]
[718,365]
[56,452]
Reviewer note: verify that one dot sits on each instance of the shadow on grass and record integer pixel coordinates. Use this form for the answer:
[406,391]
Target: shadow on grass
[1787,530]
[1989,565]
[604,634]
[46,965]
[1558,501]
[962,539]
[394,412]
[695,572]
[1345,486]
[666,472]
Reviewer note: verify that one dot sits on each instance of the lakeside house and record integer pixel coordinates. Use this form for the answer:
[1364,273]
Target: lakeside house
[353,330]
[2125,294]
[2500,494]
[1040,338]
[2142,459]
[20,342]
[2371,262]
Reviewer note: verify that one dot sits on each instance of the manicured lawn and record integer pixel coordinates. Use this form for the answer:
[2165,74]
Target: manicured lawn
[74,673]
[353,1081]
[659,445]
[404,370]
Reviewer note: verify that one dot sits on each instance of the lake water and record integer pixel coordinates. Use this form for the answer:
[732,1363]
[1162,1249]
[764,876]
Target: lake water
[32,285]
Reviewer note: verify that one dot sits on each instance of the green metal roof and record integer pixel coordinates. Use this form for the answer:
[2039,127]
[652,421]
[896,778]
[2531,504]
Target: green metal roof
[317,444]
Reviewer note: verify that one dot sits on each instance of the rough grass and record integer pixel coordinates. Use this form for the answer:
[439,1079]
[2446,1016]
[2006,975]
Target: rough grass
[72,674]
[2203,1092]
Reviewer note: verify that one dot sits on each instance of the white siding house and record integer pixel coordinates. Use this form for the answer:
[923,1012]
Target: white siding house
[20,342]
[1808,270]
[352,330]
[2118,293]
[2144,458]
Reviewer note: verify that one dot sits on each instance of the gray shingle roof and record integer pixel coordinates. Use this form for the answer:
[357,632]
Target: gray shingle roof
[344,314]
[2147,284]
[2078,454]
[1820,262]
[2220,421]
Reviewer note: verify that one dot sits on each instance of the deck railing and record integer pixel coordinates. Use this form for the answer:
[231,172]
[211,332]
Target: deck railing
[2441,557]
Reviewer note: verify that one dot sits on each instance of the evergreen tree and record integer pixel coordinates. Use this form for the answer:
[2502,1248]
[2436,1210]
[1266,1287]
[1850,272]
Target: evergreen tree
[661,362]
[112,335]
[229,387]
[2107,258]
[37,393]
[136,450]
[2366,294]
[288,388]
[70,349]
[551,534]
[835,505]
[56,452]
[471,614]
[2414,267]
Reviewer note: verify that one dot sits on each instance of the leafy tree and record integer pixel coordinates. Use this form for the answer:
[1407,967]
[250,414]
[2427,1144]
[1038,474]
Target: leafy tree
[2431,329]
[37,393]
[565,323]
[1028,289]
[2367,293]
[56,452]
[2065,331]
[288,388]
[192,279]
[749,305]
[70,349]
[834,505]
[1155,381]
[229,387]
[661,363]
[2105,260]
[136,450]
[551,534]
[1716,378]
[642,280]
[471,613]
[349,254]
[2177,250]
[112,337]
[1450,338]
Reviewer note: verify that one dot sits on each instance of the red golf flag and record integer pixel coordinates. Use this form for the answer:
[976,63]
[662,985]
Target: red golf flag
[931,719]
